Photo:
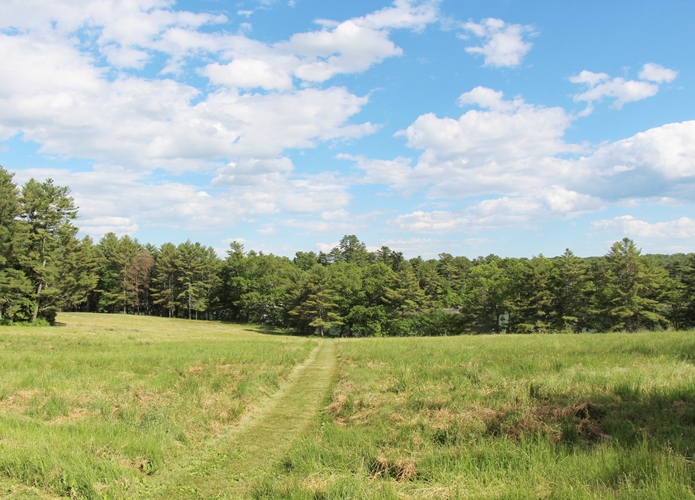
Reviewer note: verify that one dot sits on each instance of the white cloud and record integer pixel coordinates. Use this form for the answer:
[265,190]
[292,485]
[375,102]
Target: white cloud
[126,33]
[356,44]
[333,221]
[657,73]
[248,73]
[506,130]
[119,200]
[58,98]
[657,163]
[551,203]
[503,43]
[351,46]
[679,229]
[506,148]
[601,85]
[252,171]
[140,203]
[514,153]
[62,97]
[398,173]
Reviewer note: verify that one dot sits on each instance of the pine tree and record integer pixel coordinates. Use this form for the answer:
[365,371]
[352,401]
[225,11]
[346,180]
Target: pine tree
[47,211]
[574,292]
[116,281]
[16,299]
[78,273]
[631,289]
[165,280]
[316,302]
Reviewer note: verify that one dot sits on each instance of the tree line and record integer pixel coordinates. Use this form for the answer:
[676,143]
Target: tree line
[349,291]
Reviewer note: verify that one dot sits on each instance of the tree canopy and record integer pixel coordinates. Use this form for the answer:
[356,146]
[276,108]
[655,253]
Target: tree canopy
[349,291]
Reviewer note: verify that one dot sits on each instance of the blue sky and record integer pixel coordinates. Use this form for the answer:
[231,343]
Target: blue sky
[506,127]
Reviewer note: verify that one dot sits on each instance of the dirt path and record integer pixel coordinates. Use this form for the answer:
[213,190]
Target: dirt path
[261,440]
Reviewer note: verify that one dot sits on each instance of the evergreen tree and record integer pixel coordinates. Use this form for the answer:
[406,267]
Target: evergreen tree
[78,274]
[484,294]
[165,280]
[48,212]
[574,291]
[539,307]
[686,297]
[316,302]
[116,280]
[15,288]
[631,289]
[191,270]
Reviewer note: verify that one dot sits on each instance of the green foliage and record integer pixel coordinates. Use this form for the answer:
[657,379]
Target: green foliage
[631,289]
[348,291]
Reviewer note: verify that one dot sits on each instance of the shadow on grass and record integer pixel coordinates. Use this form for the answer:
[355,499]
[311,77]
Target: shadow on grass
[265,329]
[626,416]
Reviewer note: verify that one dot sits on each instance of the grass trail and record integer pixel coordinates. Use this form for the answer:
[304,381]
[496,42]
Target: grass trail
[248,452]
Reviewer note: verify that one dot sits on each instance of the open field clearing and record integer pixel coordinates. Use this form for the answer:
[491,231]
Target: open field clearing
[556,416]
[115,406]
[95,408]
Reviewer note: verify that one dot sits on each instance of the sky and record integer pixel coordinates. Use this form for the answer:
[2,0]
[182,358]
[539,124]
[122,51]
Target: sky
[508,127]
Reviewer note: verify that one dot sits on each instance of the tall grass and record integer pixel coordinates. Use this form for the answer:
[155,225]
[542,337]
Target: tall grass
[562,416]
[90,408]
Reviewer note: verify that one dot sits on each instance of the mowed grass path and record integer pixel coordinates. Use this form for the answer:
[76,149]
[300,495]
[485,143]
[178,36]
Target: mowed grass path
[502,417]
[95,408]
[241,458]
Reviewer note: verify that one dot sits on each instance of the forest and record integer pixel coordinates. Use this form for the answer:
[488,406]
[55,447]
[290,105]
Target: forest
[350,291]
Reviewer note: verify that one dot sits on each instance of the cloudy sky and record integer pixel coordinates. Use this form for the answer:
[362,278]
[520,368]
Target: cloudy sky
[505,126]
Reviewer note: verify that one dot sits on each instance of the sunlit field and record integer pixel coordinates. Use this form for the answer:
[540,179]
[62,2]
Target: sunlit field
[98,406]
[115,406]
[556,416]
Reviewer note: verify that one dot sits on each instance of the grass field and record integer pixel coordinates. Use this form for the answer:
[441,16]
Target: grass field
[122,407]
[94,408]
[562,416]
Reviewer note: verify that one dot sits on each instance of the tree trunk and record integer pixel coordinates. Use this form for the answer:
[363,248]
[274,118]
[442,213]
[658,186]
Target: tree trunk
[36,306]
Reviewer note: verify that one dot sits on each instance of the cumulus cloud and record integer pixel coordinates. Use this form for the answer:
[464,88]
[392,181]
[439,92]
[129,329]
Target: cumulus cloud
[351,46]
[248,73]
[506,147]
[513,153]
[667,236]
[657,163]
[551,203]
[398,173]
[657,73]
[126,33]
[503,130]
[60,99]
[252,171]
[123,201]
[504,44]
[683,228]
[601,85]
[63,97]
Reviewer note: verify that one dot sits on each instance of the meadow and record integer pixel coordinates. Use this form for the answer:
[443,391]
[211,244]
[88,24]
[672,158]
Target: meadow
[537,416]
[93,408]
[116,406]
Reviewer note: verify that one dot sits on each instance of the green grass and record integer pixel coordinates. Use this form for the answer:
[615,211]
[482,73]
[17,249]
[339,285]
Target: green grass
[227,469]
[562,416]
[121,407]
[92,408]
